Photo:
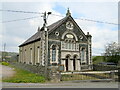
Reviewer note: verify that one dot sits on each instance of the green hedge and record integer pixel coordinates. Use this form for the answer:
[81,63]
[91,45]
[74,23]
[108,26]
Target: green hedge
[97,67]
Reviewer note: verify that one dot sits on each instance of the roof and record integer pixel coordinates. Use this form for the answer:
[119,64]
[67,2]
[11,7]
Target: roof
[37,36]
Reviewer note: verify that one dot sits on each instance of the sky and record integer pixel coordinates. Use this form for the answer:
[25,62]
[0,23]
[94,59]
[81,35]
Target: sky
[16,32]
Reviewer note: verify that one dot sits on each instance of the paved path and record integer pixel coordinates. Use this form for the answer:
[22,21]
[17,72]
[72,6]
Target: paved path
[6,71]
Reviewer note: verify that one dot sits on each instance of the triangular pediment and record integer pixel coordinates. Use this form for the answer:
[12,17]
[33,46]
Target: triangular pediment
[60,26]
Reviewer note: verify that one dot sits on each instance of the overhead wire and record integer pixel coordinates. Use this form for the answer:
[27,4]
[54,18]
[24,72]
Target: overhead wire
[84,19]
[19,19]
[21,11]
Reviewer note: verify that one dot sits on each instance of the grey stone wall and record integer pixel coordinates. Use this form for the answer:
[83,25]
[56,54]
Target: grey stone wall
[31,68]
[52,74]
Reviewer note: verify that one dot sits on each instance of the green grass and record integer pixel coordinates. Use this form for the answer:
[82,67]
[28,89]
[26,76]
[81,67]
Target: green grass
[5,63]
[23,76]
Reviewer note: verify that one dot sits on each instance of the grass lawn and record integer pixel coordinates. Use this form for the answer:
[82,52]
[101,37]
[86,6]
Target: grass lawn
[23,76]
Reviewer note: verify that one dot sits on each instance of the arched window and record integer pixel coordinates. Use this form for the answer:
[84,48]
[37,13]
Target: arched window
[53,53]
[38,48]
[30,55]
[83,55]
[69,42]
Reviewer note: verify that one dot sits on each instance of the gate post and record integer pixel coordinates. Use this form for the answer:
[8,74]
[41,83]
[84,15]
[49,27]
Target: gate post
[112,74]
[54,74]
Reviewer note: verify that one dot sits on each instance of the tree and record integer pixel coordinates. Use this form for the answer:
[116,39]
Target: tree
[112,52]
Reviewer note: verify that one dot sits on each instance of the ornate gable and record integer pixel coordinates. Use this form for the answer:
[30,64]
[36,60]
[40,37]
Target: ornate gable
[67,25]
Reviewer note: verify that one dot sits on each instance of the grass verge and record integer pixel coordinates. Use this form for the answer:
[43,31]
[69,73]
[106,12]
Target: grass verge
[23,76]
[4,63]
[83,77]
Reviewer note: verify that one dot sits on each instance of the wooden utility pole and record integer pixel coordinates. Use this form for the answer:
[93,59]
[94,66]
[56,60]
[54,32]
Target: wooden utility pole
[3,52]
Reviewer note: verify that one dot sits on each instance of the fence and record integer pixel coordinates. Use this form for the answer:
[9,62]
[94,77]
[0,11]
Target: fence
[103,75]
[97,67]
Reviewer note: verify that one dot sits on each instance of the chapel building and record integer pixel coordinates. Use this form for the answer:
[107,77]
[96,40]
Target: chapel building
[65,42]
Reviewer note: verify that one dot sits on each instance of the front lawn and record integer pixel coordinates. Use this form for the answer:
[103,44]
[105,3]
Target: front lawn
[23,76]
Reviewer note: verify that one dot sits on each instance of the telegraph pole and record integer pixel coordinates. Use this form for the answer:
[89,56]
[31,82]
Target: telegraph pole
[45,16]
[3,53]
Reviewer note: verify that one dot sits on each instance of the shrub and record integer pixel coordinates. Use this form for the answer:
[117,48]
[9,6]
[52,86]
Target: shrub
[5,63]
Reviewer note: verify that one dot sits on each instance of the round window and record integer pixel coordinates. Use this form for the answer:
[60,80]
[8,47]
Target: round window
[57,33]
[81,37]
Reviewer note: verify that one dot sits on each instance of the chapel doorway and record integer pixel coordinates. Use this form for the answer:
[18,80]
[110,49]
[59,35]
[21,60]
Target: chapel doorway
[66,62]
[74,62]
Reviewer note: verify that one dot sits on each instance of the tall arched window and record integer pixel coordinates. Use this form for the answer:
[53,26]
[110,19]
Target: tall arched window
[53,53]
[38,48]
[30,55]
[83,55]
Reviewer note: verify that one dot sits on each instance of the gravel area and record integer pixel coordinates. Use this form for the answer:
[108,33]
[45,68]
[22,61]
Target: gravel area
[6,71]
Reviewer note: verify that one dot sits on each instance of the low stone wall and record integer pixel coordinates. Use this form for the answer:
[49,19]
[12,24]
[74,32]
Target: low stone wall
[52,73]
[32,68]
[104,67]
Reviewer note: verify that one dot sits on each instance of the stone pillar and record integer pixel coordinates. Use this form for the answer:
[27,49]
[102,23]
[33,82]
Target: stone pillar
[54,74]
[78,65]
[112,75]
[63,63]
[57,55]
[69,64]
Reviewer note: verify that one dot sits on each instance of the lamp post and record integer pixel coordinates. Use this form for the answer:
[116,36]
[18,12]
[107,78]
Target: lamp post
[45,17]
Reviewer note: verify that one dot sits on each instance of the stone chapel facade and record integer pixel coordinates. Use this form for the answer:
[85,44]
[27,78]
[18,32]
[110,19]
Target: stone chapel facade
[67,45]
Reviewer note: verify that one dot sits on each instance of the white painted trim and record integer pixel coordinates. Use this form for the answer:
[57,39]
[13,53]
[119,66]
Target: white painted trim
[71,33]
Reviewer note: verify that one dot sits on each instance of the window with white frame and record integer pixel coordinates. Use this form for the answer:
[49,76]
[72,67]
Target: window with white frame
[31,55]
[38,50]
[53,53]
[69,46]
[69,43]
[83,54]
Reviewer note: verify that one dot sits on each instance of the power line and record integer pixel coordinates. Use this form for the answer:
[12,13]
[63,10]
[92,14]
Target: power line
[21,11]
[19,19]
[58,15]
[96,21]
[84,19]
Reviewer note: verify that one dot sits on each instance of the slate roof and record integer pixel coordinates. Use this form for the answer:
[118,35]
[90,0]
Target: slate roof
[37,36]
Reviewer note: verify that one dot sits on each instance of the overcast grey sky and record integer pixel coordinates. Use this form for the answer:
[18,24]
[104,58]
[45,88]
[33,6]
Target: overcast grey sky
[15,33]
